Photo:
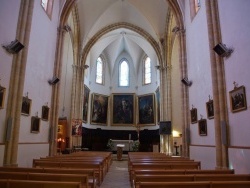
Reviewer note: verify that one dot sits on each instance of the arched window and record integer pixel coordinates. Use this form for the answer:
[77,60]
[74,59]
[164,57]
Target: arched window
[123,73]
[195,6]
[47,6]
[147,71]
[99,71]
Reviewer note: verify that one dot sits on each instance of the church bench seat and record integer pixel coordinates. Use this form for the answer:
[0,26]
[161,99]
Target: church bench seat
[205,184]
[187,178]
[92,174]
[75,165]
[166,164]
[82,178]
[177,172]
[7,183]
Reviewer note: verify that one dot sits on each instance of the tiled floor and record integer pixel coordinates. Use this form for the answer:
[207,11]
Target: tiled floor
[118,176]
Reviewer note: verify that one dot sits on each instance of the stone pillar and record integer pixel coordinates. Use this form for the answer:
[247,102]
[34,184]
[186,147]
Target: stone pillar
[218,83]
[17,82]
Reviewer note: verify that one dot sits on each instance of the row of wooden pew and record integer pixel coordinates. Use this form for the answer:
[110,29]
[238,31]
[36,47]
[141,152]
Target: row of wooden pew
[157,170]
[82,169]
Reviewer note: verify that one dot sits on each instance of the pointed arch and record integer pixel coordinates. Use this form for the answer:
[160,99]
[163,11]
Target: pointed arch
[119,25]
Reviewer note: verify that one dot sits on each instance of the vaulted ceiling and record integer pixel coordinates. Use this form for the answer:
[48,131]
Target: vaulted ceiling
[149,15]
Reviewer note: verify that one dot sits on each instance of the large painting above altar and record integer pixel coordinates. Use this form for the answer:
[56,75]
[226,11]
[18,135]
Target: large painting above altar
[123,109]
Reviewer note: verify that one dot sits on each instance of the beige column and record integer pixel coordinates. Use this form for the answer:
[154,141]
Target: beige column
[56,91]
[218,83]
[17,77]
[76,99]
[185,94]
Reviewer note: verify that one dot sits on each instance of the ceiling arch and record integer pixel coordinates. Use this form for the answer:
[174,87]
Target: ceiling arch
[122,25]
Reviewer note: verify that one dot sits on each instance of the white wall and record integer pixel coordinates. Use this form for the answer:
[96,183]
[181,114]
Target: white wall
[9,11]
[199,72]
[39,69]
[206,155]
[235,29]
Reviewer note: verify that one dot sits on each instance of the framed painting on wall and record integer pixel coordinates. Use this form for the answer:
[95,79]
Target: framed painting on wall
[157,93]
[202,127]
[35,124]
[26,106]
[123,109]
[210,109]
[85,104]
[99,109]
[2,96]
[238,99]
[146,108]
[193,114]
[45,113]
[76,127]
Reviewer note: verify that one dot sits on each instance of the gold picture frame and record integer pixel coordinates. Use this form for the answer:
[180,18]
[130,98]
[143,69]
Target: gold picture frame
[238,99]
[2,96]
[99,110]
[85,104]
[146,109]
[123,109]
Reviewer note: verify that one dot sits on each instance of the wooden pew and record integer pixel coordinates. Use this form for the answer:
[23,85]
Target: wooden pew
[92,174]
[162,166]
[190,164]
[82,178]
[101,160]
[217,184]
[189,178]
[177,172]
[76,165]
[7,183]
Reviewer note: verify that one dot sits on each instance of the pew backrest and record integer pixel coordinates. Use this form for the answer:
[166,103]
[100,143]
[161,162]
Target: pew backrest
[37,184]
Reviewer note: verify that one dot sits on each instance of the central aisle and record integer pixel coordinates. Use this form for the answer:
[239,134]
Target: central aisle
[118,176]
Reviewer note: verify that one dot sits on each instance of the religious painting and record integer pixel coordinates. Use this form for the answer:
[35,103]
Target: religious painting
[146,108]
[45,113]
[2,96]
[157,94]
[202,127]
[76,127]
[26,105]
[238,99]
[210,109]
[85,104]
[35,124]
[60,129]
[193,113]
[99,110]
[123,109]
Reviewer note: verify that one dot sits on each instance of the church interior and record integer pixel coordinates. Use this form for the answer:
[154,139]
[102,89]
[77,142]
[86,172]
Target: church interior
[125,78]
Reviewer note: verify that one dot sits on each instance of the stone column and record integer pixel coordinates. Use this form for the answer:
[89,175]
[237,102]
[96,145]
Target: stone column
[218,83]
[14,104]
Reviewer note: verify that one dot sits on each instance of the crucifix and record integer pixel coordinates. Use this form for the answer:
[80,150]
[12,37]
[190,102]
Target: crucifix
[138,128]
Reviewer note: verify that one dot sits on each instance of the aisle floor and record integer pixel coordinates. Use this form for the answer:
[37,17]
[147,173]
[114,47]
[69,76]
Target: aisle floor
[117,176]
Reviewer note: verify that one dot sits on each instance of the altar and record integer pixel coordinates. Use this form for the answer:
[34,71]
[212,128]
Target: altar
[127,144]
